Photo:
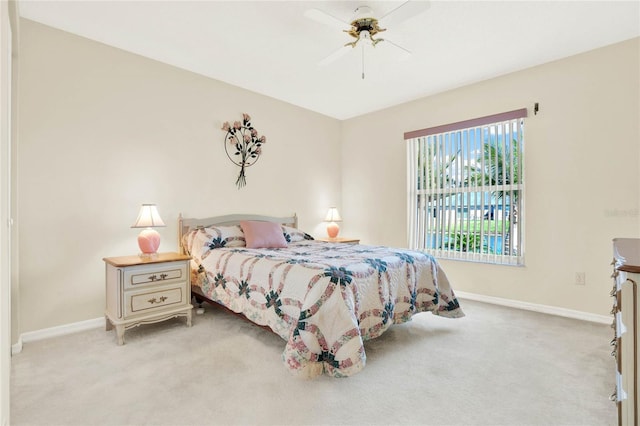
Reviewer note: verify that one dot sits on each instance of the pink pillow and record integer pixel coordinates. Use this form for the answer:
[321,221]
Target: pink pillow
[259,234]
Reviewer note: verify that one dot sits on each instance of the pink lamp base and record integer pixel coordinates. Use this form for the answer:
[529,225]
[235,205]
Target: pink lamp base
[333,229]
[149,241]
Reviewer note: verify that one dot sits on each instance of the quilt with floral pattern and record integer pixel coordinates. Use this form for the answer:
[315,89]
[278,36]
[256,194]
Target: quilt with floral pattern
[323,299]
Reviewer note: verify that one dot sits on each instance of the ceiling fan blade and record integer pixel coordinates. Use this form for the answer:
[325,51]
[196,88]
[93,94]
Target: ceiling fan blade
[335,55]
[404,53]
[326,19]
[406,10]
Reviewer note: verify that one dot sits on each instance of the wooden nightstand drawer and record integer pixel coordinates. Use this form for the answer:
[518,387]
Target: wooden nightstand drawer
[156,299]
[154,274]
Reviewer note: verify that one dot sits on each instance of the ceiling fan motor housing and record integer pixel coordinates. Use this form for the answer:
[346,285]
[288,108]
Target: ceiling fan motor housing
[364,22]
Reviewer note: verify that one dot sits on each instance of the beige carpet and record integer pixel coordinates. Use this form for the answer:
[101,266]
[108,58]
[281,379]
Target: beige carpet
[497,366]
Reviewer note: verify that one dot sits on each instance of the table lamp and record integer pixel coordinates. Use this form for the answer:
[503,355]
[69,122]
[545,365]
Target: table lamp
[332,217]
[149,238]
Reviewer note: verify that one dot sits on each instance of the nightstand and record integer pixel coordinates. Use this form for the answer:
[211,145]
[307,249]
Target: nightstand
[146,290]
[340,240]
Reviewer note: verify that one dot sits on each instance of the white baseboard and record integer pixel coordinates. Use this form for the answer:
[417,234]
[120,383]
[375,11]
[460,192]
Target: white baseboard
[75,327]
[545,309]
[16,348]
[61,330]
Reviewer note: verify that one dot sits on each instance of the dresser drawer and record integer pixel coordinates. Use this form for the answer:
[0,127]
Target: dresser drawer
[136,277]
[142,302]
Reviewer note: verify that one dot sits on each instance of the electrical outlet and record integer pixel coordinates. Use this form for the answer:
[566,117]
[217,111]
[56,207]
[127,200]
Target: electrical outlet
[580,278]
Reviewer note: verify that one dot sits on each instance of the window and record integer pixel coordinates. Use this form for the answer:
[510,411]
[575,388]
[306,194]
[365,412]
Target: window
[465,198]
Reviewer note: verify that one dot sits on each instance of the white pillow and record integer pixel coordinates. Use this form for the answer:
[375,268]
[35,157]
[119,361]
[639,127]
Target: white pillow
[199,241]
[293,235]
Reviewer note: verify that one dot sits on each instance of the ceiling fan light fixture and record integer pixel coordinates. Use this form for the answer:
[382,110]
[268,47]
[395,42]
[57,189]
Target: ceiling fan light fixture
[363,13]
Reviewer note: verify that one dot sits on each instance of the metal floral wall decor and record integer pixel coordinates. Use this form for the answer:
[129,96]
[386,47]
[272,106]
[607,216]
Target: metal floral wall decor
[243,145]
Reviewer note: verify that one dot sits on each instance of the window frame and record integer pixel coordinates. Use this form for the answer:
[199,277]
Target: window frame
[440,145]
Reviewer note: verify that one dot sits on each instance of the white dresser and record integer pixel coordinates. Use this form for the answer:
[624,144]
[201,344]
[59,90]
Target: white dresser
[626,274]
[146,290]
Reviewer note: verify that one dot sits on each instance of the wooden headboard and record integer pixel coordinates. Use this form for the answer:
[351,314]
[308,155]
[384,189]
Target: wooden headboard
[187,224]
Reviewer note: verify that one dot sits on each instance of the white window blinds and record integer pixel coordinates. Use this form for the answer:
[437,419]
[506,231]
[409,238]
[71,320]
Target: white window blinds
[466,189]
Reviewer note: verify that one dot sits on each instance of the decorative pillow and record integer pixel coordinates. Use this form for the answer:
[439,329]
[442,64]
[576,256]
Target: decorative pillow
[200,241]
[292,235]
[260,234]
[225,236]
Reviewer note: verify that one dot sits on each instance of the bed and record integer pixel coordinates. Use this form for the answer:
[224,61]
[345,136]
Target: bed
[324,299]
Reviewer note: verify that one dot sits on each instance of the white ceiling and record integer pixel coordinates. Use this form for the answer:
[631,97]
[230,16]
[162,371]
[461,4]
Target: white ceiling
[270,47]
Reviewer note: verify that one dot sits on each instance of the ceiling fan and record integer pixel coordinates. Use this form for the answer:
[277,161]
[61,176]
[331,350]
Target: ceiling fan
[365,28]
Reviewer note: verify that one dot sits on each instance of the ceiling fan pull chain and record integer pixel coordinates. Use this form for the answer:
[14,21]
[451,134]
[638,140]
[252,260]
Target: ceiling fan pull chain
[362,61]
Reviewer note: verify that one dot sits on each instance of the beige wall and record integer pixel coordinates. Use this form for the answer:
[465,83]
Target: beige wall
[582,178]
[103,130]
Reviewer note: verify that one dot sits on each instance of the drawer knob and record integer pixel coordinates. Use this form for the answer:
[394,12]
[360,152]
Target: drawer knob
[163,276]
[160,300]
[153,277]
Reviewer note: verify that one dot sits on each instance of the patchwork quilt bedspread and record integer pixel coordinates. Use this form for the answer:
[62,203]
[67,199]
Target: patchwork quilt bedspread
[324,299]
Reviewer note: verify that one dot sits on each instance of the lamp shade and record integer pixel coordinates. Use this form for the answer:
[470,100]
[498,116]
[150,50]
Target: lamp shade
[148,239]
[333,215]
[148,217]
